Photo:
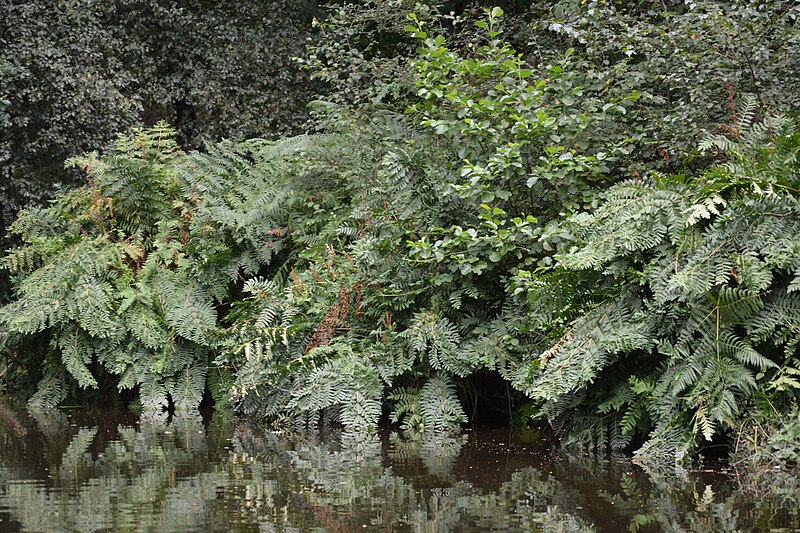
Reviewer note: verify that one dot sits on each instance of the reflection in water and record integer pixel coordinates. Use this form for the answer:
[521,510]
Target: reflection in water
[100,472]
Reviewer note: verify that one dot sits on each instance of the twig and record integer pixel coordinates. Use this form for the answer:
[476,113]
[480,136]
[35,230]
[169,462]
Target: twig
[8,367]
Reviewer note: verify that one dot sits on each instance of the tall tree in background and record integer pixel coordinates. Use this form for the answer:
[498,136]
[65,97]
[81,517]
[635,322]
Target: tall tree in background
[72,75]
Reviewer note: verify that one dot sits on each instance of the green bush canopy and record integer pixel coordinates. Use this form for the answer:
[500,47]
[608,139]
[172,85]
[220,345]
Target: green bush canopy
[610,225]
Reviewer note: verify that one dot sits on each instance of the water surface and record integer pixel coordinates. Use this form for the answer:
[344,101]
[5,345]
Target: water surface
[96,471]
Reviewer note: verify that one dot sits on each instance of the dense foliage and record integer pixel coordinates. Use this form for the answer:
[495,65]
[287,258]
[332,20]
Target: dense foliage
[680,59]
[614,240]
[691,325]
[72,74]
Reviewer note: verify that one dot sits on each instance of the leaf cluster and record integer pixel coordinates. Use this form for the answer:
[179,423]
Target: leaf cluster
[700,318]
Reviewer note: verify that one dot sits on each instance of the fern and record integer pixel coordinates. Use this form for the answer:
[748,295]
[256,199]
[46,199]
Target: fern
[434,407]
[189,310]
[405,407]
[153,393]
[51,391]
[110,274]
[707,311]
[77,354]
[315,279]
[435,337]
[188,386]
[344,383]
[440,408]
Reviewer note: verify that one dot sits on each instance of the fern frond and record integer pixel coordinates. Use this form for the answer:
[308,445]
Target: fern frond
[77,353]
[50,391]
[188,386]
[345,383]
[153,394]
[439,406]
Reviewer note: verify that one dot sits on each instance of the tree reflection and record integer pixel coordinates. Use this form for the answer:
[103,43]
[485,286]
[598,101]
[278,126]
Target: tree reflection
[73,472]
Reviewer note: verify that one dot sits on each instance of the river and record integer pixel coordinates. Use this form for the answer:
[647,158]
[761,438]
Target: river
[92,471]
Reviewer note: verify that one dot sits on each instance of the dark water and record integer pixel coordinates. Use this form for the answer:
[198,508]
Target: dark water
[84,471]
